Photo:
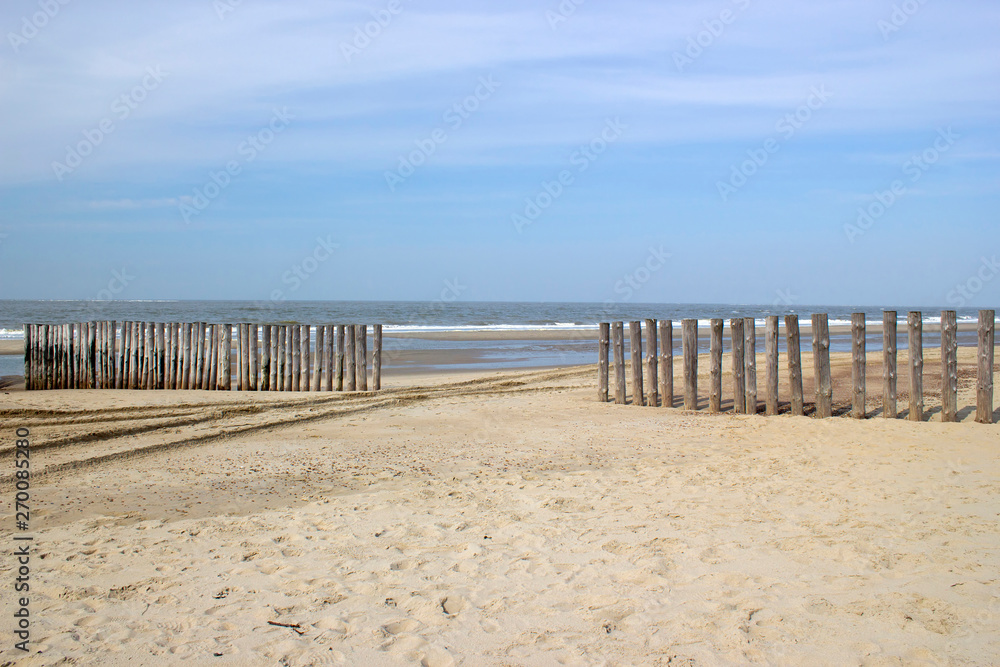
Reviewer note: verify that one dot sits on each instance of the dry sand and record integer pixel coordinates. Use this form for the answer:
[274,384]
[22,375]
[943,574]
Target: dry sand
[502,519]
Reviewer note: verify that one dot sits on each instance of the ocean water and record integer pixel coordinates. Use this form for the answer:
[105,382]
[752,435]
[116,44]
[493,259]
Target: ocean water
[406,316]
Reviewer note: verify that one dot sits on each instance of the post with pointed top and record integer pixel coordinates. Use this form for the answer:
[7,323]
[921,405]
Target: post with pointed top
[949,366]
[889,373]
[821,364]
[984,374]
[618,341]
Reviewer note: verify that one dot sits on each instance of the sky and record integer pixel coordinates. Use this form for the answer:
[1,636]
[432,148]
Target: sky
[731,151]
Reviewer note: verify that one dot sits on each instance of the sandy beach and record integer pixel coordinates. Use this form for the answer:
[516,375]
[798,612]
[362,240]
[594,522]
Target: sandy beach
[502,519]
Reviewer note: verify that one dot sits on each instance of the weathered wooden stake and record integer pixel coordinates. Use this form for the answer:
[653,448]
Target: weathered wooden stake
[349,358]
[226,358]
[377,357]
[136,350]
[984,373]
[296,333]
[651,380]
[667,363]
[889,373]
[750,360]
[821,364]
[161,356]
[283,356]
[794,354]
[254,348]
[306,356]
[317,376]
[291,334]
[603,350]
[265,358]
[915,345]
[339,370]
[716,327]
[738,342]
[274,381]
[213,355]
[28,333]
[618,338]
[949,366]
[689,336]
[859,362]
[771,362]
[635,361]
[361,349]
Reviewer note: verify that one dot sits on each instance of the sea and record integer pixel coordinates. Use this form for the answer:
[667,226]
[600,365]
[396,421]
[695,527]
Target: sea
[508,318]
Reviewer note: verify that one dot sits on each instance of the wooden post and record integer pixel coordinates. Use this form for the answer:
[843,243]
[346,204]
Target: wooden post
[253,347]
[73,366]
[859,362]
[667,363]
[651,381]
[205,341]
[317,374]
[949,366]
[306,331]
[283,356]
[213,355]
[173,333]
[151,354]
[821,364]
[274,379]
[266,363]
[143,360]
[241,346]
[603,349]
[135,367]
[120,365]
[226,358]
[361,349]
[738,341]
[771,356]
[889,408]
[27,356]
[377,357]
[915,345]
[291,333]
[635,360]
[618,342]
[715,366]
[161,356]
[349,358]
[186,372]
[44,357]
[340,357]
[984,374]
[689,336]
[794,354]
[750,361]
[295,333]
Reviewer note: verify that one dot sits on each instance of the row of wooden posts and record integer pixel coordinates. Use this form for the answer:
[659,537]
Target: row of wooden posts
[197,355]
[660,373]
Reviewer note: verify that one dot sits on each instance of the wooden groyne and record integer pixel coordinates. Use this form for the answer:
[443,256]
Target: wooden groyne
[743,347]
[198,355]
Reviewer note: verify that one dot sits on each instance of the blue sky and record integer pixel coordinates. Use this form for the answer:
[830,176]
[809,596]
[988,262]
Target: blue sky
[527,150]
